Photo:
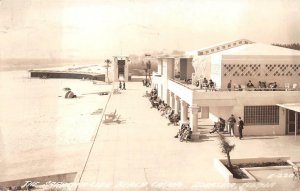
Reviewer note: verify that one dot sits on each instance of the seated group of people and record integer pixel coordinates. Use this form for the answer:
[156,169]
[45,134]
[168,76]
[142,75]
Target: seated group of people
[262,85]
[164,108]
[155,101]
[184,133]
[205,84]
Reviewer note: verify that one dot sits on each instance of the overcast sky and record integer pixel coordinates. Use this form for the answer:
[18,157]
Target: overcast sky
[99,28]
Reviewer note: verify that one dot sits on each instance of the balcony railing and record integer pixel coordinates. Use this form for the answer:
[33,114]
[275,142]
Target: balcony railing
[205,89]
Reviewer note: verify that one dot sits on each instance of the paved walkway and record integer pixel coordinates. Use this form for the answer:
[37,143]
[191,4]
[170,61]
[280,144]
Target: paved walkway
[141,153]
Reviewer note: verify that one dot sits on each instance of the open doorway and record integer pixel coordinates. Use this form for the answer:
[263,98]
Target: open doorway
[293,122]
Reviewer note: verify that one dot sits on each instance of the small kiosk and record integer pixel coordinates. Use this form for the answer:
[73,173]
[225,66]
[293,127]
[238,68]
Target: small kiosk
[121,68]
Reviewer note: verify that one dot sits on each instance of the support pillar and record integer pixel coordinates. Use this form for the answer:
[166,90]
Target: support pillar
[194,117]
[167,98]
[172,100]
[183,112]
[204,112]
[177,104]
[296,123]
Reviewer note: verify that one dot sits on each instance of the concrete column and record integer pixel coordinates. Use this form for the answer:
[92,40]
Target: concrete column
[204,112]
[172,100]
[194,117]
[177,105]
[187,111]
[183,112]
[168,101]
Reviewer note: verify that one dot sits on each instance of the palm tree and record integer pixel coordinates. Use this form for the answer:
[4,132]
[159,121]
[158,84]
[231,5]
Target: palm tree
[226,148]
[108,62]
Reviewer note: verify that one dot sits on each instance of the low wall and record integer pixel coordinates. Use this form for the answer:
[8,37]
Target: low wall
[47,74]
[227,175]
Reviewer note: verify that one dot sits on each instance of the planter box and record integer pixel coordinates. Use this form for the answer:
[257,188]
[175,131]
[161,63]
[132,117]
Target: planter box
[228,176]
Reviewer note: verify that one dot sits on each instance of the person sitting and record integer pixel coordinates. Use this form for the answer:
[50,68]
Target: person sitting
[188,81]
[211,84]
[187,133]
[204,83]
[165,109]
[273,86]
[180,131]
[153,95]
[250,85]
[197,83]
[215,128]
[174,118]
[161,106]
[70,94]
[263,84]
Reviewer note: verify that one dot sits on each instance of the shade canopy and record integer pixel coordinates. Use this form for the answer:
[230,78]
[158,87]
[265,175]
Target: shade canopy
[291,106]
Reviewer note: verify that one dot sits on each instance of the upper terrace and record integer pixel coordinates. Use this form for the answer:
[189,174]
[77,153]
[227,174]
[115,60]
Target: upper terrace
[223,97]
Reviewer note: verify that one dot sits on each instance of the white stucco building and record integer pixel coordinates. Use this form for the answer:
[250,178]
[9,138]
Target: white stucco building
[264,111]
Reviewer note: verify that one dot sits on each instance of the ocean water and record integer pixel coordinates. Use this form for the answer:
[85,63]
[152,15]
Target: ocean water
[34,114]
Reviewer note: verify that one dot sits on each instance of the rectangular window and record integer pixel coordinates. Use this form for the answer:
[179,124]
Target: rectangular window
[234,44]
[240,42]
[223,47]
[229,45]
[212,50]
[218,48]
[207,52]
[261,115]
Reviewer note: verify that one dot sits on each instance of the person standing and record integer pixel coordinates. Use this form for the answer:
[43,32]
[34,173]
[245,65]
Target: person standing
[124,88]
[231,120]
[241,127]
[120,85]
[229,86]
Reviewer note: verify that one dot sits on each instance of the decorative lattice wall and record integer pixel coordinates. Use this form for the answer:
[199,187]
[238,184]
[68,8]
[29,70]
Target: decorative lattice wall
[282,70]
[242,70]
[256,70]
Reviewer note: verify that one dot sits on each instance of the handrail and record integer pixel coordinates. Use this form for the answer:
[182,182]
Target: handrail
[193,87]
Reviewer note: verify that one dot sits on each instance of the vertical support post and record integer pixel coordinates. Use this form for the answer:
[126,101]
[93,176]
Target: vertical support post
[177,104]
[183,113]
[296,124]
[194,117]
[172,100]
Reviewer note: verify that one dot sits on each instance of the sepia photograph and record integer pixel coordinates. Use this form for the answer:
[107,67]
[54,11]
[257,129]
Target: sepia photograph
[150,95]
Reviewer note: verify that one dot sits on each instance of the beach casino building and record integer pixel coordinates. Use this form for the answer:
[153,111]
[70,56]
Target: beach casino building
[266,110]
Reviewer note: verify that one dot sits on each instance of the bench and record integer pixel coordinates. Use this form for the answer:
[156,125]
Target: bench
[111,116]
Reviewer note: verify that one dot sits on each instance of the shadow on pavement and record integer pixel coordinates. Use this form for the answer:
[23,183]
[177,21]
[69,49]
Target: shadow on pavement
[201,138]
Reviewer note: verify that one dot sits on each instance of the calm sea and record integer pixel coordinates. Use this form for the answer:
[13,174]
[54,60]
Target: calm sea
[27,64]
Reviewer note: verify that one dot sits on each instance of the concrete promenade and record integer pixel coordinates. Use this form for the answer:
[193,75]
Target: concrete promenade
[141,153]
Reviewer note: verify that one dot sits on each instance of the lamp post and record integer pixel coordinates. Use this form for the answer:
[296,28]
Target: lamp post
[149,68]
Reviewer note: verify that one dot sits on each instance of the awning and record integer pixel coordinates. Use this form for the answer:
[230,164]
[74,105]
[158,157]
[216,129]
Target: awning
[294,107]
[291,106]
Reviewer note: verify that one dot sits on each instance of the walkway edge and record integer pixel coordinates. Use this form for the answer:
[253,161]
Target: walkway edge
[80,173]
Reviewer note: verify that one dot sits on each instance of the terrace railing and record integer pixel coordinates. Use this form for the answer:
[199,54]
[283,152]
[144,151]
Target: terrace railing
[205,89]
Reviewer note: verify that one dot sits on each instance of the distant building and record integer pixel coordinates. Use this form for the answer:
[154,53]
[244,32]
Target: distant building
[121,68]
[265,110]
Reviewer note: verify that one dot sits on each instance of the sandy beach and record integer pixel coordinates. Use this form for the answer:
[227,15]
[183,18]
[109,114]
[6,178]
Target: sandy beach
[38,125]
